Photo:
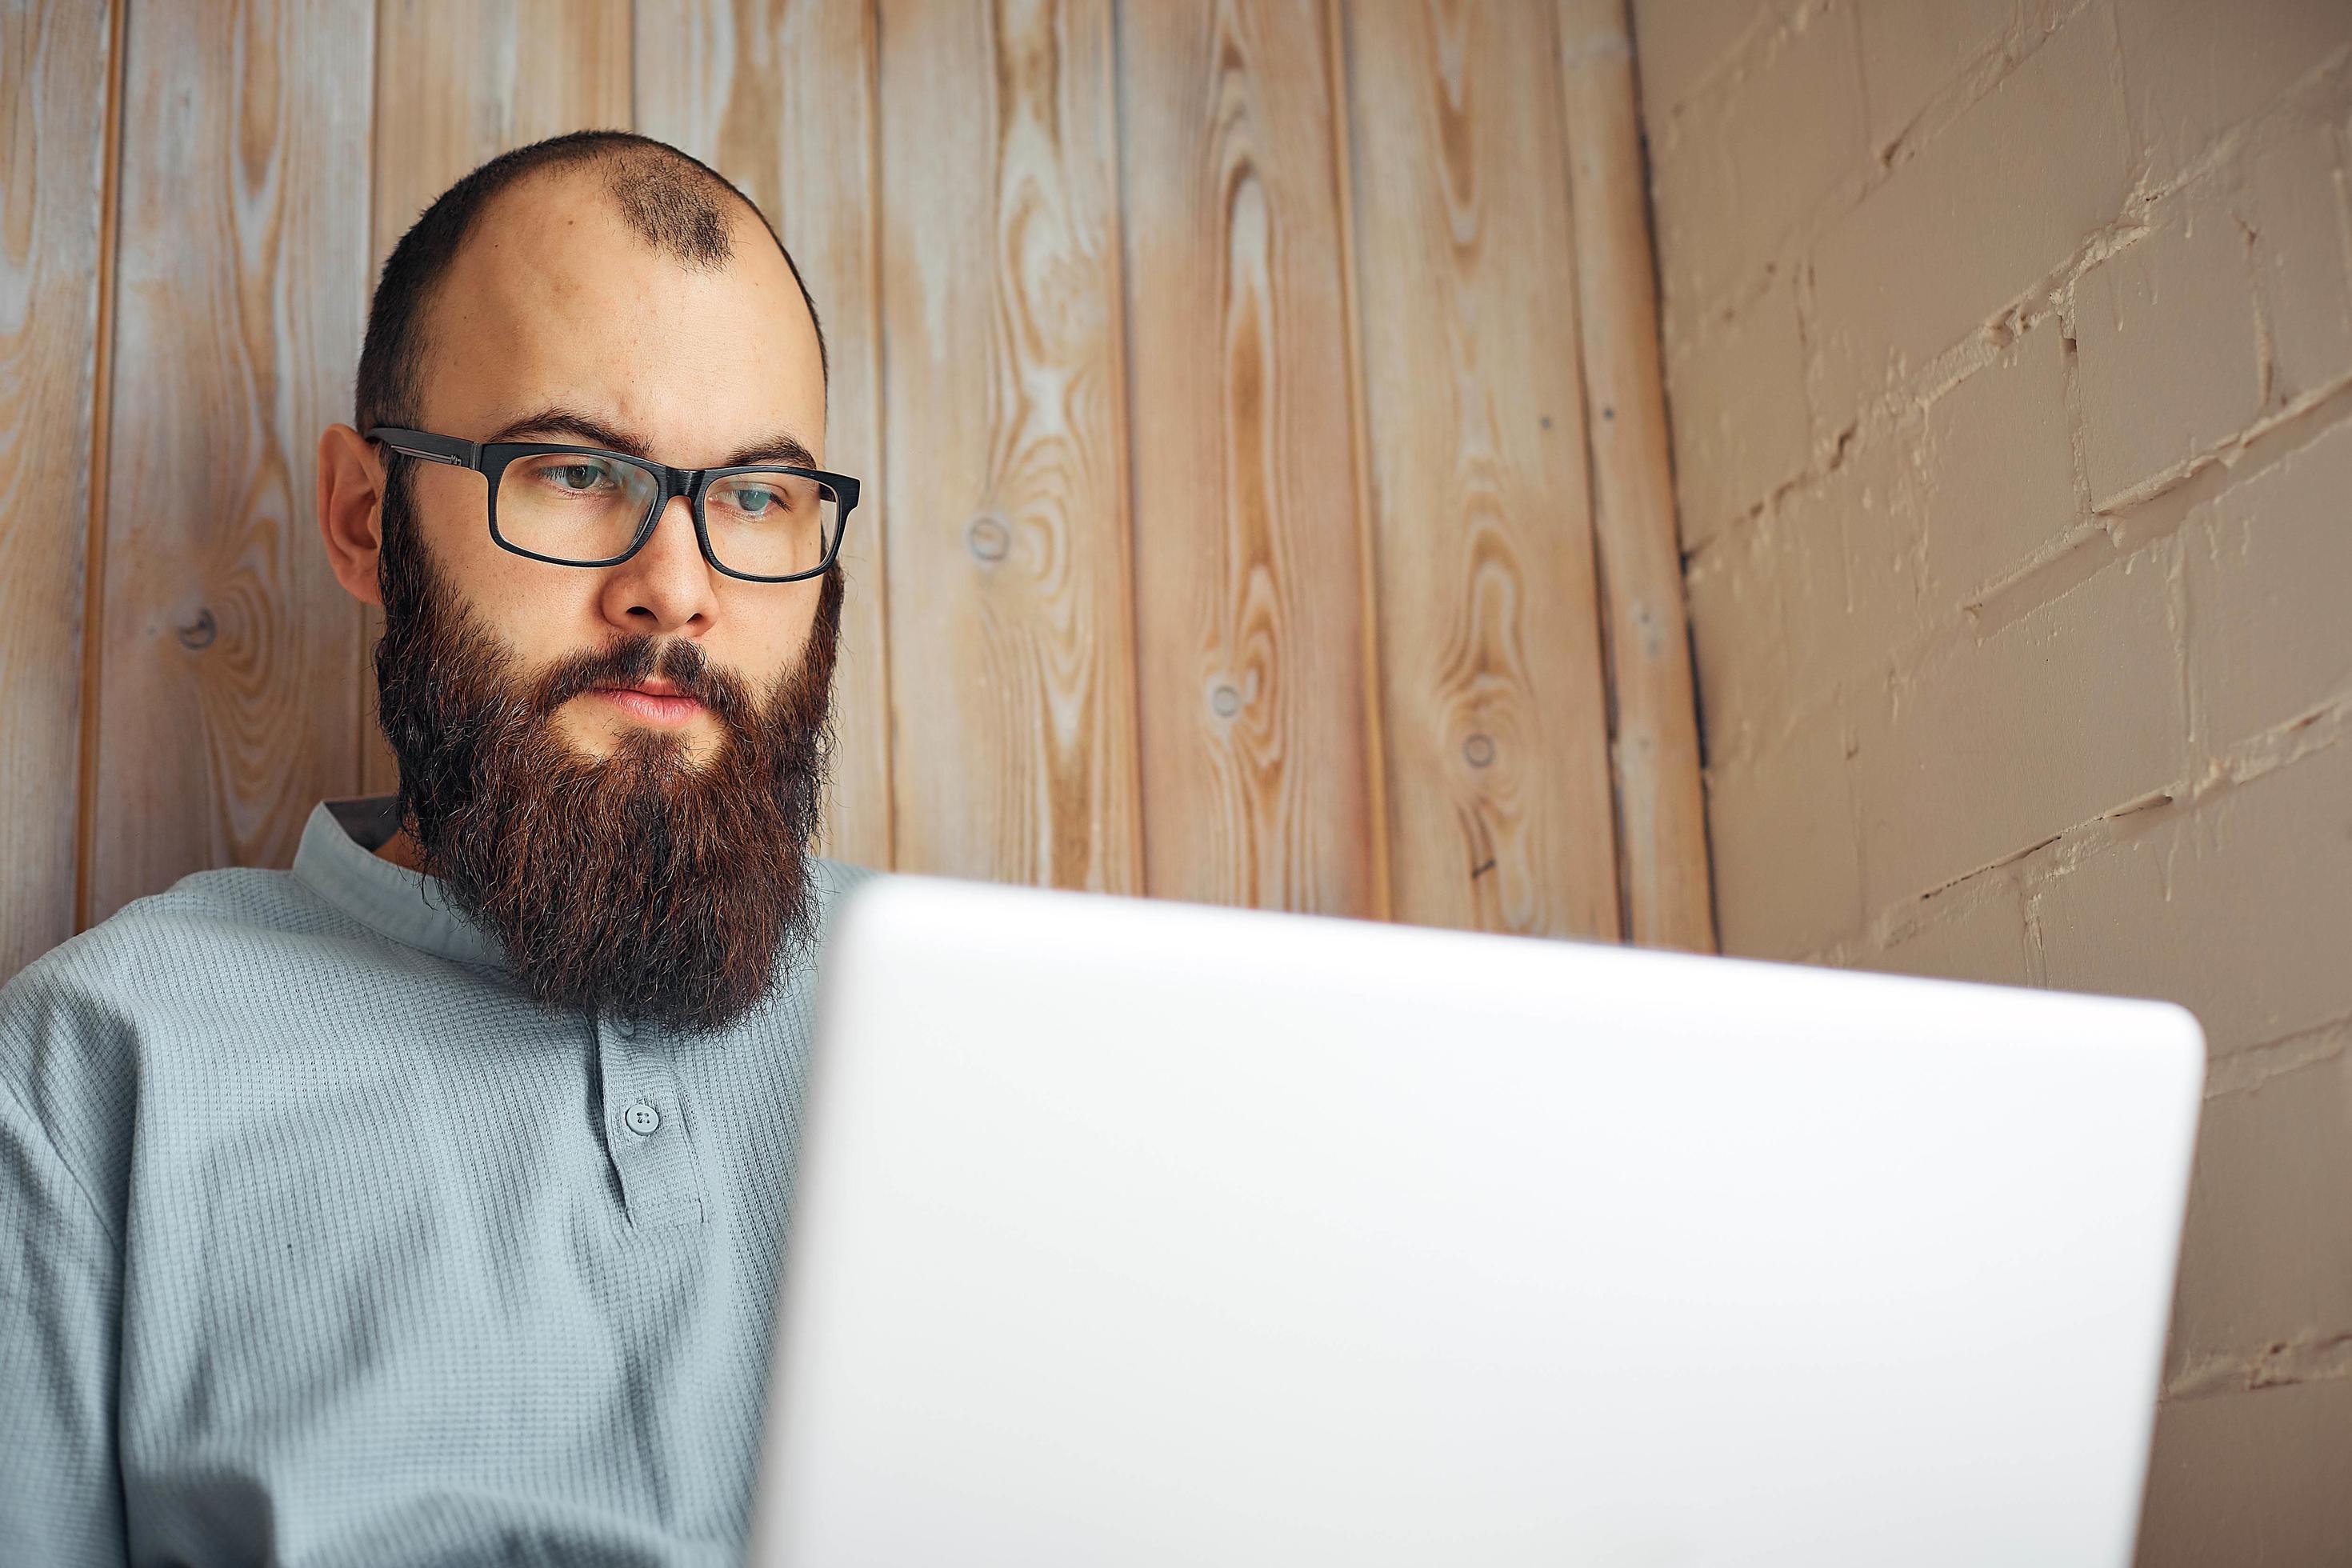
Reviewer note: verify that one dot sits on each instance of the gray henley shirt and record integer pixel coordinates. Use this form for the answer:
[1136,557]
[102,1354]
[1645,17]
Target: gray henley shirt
[320,1243]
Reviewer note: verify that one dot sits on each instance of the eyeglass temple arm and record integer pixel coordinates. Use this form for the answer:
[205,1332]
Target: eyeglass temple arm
[425,445]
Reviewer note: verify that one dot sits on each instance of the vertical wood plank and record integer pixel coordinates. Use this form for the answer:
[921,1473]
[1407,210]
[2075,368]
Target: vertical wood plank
[778,95]
[242,267]
[56,94]
[458,82]
[1250,622]
[1368,595]
[1661,815]
[1496,724]
[1012,652]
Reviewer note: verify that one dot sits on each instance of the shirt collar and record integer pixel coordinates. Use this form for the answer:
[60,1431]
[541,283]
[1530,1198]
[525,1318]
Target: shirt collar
[336,861]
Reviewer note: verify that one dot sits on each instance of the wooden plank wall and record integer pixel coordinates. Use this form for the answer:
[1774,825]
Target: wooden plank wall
[1011,617]
[58,70]
[1260,705]
[1214,364]
[241,286]
[1499,808]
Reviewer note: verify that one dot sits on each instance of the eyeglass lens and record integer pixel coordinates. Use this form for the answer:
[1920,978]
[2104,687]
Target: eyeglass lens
[575,506]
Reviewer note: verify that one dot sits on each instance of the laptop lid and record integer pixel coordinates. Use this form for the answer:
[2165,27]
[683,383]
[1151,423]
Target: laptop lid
[1147,1233]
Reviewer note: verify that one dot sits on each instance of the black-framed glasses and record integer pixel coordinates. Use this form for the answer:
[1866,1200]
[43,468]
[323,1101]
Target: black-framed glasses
[583,506]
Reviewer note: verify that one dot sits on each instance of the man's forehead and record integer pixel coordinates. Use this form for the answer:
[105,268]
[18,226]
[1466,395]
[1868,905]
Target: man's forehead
[556,302]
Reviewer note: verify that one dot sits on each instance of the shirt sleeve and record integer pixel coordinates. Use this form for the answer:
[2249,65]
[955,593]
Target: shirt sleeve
[60,1298]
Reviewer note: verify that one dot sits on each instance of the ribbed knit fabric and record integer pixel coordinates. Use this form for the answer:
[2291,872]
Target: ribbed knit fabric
[320,1244]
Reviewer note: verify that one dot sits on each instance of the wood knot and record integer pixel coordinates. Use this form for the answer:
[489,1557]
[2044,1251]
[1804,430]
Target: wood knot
[1224,701]
[198,633]
[989,538]
[1478,751]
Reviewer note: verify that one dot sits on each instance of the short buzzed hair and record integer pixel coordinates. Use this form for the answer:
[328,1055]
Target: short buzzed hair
[675,202]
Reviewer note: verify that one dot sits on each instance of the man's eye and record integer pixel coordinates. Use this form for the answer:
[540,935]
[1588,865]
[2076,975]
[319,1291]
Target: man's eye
[577,477]
[756,500]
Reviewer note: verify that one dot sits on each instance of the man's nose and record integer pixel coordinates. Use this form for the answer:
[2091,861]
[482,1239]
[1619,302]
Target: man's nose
[666,585]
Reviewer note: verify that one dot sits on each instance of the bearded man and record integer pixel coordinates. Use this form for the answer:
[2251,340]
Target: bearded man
[422,1202]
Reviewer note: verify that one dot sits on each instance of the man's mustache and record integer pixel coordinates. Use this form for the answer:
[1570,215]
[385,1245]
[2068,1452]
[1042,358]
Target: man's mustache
[628,660]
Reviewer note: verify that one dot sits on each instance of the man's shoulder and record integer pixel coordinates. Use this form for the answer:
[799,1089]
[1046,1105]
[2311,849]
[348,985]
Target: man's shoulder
[71,1022]
[192,934]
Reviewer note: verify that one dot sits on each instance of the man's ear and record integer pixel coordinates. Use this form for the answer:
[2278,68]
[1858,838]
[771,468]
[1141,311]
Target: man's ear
[350,510]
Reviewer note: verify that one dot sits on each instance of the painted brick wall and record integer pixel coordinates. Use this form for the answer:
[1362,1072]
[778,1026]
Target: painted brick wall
[2009,348]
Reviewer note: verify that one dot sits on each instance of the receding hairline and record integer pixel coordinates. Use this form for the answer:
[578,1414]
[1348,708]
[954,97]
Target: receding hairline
[654,195]
[676,205]
[672,201]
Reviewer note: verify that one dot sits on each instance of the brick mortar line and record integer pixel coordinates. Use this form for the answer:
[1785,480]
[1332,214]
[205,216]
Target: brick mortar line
[1975,81]
[2095,544]
[1727,69]
[2309,100]
[2249,1067]
[2283,1364]
[2068,848]
[2228,453]
[1978,80]
[1906,403]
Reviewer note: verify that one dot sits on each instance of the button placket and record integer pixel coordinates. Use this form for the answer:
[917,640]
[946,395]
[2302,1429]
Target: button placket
[645,1133]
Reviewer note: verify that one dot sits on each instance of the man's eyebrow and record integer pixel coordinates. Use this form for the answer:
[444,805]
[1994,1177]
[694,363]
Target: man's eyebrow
[556,423]
[777,449]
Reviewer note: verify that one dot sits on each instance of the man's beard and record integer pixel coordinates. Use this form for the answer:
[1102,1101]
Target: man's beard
[638,886]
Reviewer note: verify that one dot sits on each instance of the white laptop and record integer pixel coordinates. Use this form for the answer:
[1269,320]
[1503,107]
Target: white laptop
[1144,1233]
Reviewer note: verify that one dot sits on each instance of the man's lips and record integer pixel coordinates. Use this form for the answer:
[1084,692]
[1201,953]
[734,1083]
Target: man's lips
[656,702]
